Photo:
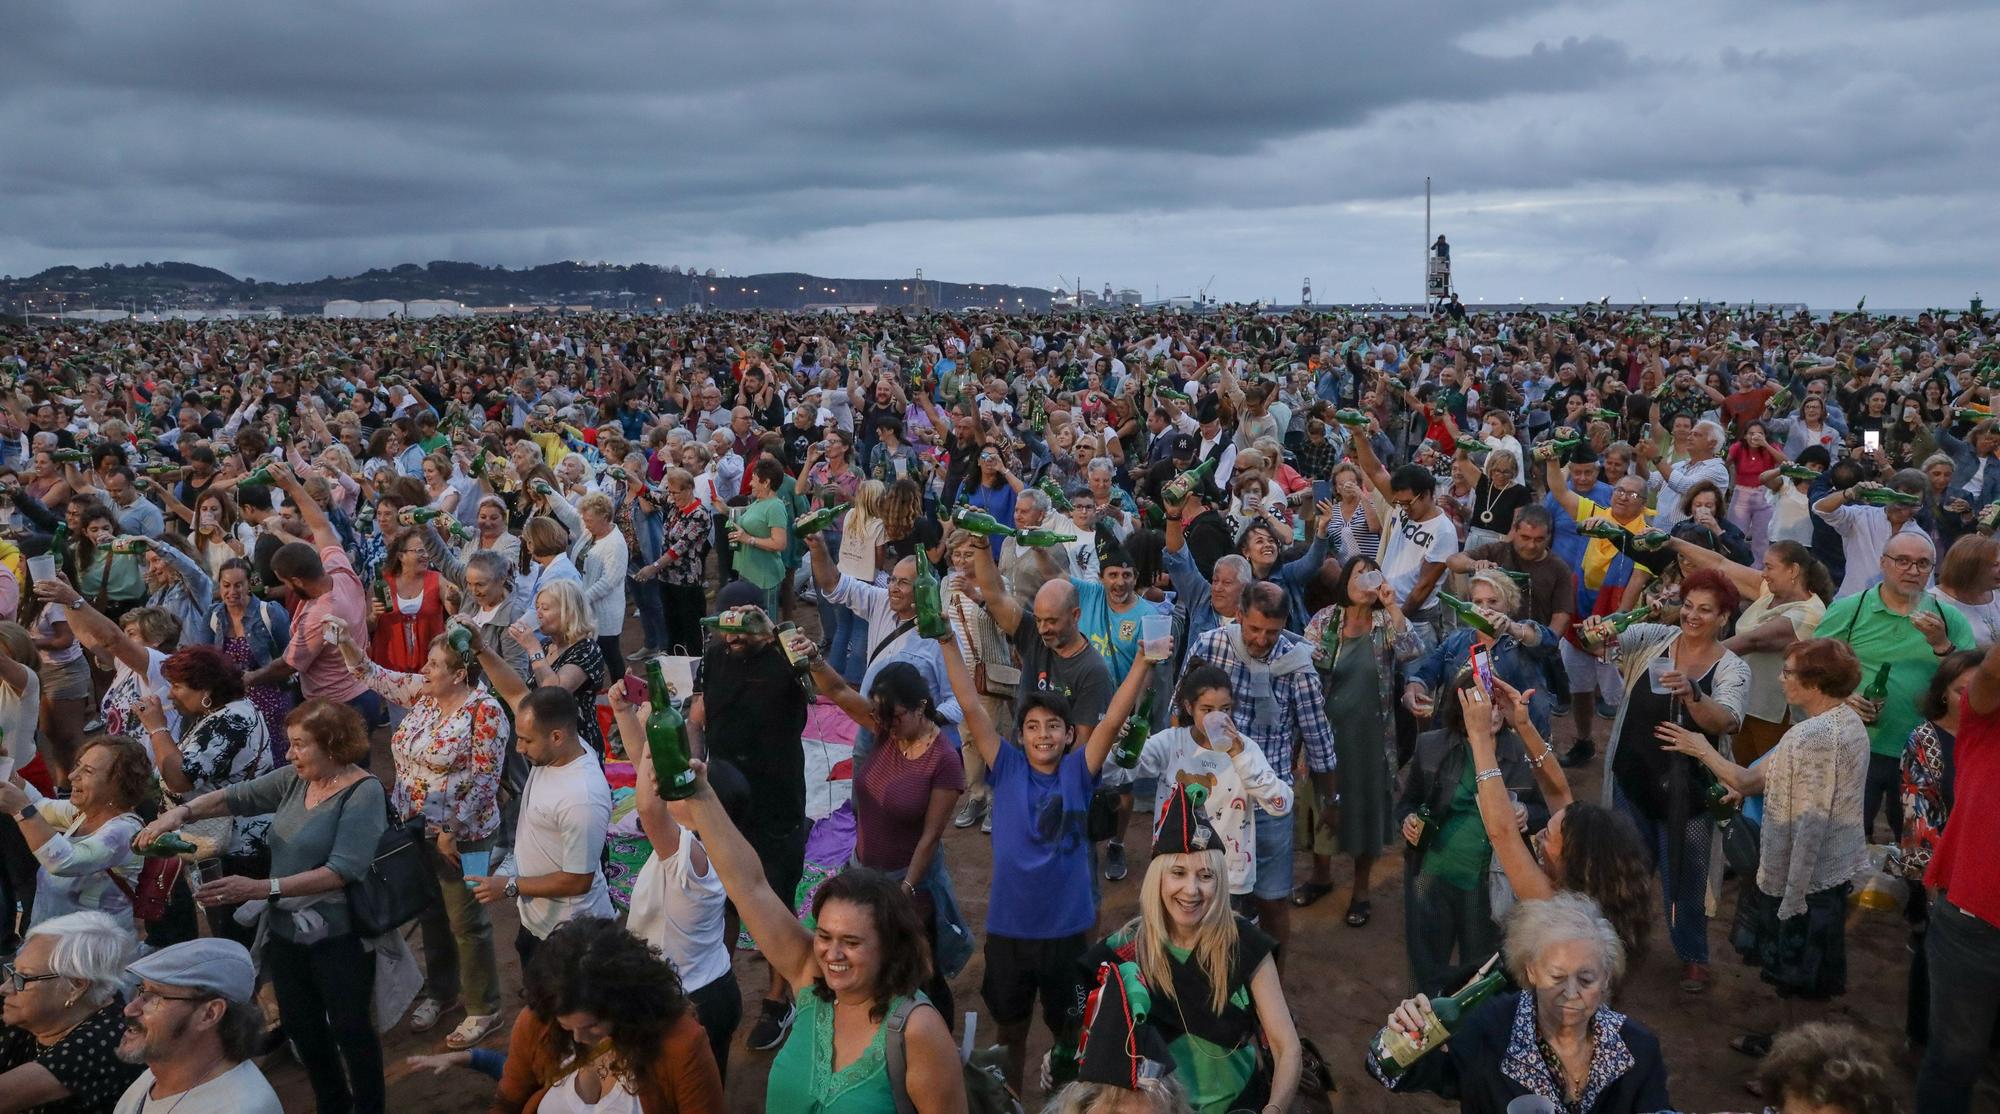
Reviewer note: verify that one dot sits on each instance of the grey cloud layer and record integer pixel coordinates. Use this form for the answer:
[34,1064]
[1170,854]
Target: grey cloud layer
[1001,141]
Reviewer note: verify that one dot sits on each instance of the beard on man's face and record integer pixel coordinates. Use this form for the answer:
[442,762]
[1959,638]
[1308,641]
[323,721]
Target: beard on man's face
[143,1044]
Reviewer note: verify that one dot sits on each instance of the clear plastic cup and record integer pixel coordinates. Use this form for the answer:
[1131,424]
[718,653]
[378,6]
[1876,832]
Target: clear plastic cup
[1656,673]
[1368,580]
[1156,636]
[1217,725]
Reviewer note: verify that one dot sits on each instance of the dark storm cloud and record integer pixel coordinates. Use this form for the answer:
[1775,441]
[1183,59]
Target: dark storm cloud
[289,141]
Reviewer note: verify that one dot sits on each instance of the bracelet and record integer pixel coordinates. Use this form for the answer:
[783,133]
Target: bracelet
[1536,761]
[1486,774]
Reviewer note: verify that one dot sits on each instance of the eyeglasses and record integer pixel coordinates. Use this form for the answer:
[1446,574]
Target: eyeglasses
[1910,564]
[143,995]
[17,982]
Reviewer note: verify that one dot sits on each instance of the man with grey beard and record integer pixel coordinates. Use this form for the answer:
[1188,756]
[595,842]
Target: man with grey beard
[194,1022]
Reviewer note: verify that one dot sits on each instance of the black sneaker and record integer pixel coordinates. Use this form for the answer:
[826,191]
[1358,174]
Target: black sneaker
[1578,755]
[1114,862]
[772,1023]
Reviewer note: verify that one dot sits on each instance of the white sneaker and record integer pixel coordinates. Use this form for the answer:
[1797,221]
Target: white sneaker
[425,1014]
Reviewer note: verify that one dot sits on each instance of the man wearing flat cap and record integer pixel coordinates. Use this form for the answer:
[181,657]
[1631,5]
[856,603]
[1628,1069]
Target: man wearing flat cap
[194,1022]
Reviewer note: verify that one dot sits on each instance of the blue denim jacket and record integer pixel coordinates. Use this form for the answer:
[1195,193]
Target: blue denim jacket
[1512,662]
[266,625]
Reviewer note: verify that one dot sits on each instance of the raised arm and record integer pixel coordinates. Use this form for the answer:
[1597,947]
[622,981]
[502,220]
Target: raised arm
[976,728]
[95,629]
[783,940]
[1748,581]
[1106,733]
[1000,603]
[321,528]
[1559,487]
[1370,465]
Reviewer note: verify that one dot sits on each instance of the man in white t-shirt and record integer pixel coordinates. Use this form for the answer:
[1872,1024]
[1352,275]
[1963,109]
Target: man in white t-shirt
[1417,538]
[556,872]
[193,1021]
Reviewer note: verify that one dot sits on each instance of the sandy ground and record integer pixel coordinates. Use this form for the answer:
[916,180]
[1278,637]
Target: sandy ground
[1342,982]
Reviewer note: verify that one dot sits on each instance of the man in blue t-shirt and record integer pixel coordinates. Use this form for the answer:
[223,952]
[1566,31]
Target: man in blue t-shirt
[1042,907]
[1109,612]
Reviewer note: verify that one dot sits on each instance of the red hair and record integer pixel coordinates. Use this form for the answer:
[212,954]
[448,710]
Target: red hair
[1713,582]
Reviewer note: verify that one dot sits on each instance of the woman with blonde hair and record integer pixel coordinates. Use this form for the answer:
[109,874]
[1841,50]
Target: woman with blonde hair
[1217,1000]
[437,475]
[562,651]
[862,554]
[1498,494]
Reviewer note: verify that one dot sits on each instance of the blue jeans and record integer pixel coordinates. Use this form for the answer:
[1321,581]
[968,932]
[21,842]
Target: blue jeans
[652,610]
[1684,890]
[1964,955]
[847,641]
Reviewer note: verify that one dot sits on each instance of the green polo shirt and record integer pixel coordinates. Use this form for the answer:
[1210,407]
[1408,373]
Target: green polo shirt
[1879,635]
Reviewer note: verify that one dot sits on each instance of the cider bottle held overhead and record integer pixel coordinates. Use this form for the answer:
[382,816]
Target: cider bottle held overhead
[1188,482]
[1605,529]
[1039,538]
[929,601]
[1468,615]
[807,525]
[1876,496]
[666,739]
[1137,730]
[1048,486]
[971,518]
[802,660]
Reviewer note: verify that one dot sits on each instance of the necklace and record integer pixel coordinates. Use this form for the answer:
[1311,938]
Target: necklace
[208,1074]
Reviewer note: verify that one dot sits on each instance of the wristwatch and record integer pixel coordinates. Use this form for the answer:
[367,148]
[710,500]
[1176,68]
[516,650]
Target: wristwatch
[513,887]
[276,889]
[28,812]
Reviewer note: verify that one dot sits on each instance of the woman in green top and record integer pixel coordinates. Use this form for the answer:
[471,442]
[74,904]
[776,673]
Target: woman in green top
[864,958]
[761,533]
[1447,911]
[113,582]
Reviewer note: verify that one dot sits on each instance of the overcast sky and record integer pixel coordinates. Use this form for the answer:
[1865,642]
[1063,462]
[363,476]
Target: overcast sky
[1773,151]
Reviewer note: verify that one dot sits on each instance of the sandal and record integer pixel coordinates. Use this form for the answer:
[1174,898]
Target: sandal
[1305,893]
[1752,1044]
[475,1028]
[1358,913]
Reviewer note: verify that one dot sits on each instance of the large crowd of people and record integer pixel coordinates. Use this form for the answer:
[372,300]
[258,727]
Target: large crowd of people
[314,633]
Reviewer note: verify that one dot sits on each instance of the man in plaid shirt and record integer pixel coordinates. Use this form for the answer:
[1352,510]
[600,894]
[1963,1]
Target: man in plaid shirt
[1277,701]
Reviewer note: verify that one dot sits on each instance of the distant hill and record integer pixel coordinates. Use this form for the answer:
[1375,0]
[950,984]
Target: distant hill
[603,285]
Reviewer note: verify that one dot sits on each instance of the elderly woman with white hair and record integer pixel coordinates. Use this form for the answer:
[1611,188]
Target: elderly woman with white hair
[1557,1038]
[61,1000]
[1674,479]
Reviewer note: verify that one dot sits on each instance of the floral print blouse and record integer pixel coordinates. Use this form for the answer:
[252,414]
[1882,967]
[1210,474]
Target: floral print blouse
[1926,798]
[447,767]
[685,544]
[229,745]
